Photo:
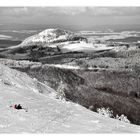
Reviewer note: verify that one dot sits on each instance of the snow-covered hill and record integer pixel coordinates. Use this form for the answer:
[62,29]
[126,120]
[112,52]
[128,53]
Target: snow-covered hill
[50,36]
[50,42]
[45,113]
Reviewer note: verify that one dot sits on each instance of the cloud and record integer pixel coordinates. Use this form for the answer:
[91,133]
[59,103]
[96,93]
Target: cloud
[94,11]
[69,11]
[72,16]
[9,11]
[113,11]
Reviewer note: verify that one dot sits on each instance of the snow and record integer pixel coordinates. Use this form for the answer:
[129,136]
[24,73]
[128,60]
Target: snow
[83,46]
[47,36]
[47,114]
[5,37]
[68,66]
[120,36]
[63,66]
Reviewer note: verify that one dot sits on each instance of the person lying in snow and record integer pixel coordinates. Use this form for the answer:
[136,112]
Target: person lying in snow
[18,107]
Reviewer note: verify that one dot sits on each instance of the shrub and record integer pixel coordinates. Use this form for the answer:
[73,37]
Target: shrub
[95,66]
[82,64]
[105,112]
[126,66]
[122,118]
[109,113]
[60,91]
[103,66]
[136,68]
[95,70]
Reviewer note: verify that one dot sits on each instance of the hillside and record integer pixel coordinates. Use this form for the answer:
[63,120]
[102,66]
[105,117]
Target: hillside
[52,43]
[45,113]
[50,36]
[94,87]
[55,58]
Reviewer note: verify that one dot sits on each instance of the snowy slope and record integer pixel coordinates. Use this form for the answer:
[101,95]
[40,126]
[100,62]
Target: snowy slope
[86,47]
[48,36]
[45,113]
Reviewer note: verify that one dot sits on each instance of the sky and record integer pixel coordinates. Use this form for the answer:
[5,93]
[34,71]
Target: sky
[81,17]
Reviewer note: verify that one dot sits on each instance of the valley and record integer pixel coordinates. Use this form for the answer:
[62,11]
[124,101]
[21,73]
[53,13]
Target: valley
[95,72]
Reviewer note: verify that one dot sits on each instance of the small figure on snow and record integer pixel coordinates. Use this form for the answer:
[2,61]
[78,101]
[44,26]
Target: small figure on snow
[18,107]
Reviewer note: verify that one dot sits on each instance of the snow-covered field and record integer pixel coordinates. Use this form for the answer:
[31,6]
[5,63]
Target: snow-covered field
[63,66]
[45,113]
[5,37]
[82,46]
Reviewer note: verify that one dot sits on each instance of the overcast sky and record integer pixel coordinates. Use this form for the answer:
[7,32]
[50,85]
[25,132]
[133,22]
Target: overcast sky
[76,16]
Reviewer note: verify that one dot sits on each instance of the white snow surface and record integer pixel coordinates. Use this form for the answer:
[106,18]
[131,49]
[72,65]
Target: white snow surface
[63,66]
[5,37]
[83,46]
[45,113]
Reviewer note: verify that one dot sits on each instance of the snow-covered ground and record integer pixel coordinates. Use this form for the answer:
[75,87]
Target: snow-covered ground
[47,36]
[45,113]
[109,36]
[5,37]
[83,46]
[63,66]
[69,66]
